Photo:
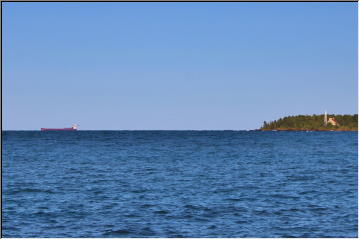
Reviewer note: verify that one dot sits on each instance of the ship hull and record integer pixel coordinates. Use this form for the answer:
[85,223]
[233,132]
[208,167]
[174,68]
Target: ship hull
[58,129]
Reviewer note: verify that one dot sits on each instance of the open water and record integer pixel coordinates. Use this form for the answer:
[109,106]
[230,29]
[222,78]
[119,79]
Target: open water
[179,184]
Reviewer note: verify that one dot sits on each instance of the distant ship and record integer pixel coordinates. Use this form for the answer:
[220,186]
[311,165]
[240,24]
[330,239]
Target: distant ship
[73,128]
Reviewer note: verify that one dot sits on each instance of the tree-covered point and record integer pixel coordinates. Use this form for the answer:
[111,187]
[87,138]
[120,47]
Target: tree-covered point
[314,122]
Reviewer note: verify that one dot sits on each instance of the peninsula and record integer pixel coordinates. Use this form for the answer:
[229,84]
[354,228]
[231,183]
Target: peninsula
[323,122]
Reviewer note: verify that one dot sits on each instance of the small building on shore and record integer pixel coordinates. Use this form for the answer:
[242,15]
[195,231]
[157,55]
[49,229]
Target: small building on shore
[331,120]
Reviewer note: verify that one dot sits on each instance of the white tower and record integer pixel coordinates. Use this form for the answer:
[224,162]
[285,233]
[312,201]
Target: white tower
[325,118]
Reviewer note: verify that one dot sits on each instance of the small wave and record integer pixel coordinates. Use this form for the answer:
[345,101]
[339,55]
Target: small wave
[203,218]
[261,212]
[139,190]
[189,206]
[110,206]
[224,190]
[31,190]
[318,209]
[283,196]
[147,205]
[147,231]
[288,236]
[234,199]
[161,212]
[241,221]
[131,215]
[10,228]
[44,214]
[249,187]
[284,211]
[300,178]
[294,210]
[186,216]
[173,234]
[309,192]
[119,232]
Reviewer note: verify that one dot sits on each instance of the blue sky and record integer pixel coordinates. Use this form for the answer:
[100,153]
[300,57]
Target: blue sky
[176,65]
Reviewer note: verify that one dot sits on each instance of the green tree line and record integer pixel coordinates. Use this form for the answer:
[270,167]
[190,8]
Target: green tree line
[313,122]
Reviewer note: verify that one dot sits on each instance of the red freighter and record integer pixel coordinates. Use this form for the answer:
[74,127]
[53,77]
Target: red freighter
[73,128]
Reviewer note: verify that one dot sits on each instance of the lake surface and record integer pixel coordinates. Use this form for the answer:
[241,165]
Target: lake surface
[179,184]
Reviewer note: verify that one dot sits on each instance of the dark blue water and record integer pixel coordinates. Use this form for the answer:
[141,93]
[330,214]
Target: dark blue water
[179,184]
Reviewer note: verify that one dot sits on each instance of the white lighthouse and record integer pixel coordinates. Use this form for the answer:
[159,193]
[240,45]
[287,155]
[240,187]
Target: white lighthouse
[325,118]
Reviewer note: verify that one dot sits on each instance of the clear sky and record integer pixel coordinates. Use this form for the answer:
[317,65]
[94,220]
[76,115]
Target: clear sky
[175,65]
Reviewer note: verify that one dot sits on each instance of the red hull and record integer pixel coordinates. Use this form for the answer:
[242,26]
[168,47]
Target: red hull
[58,129]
